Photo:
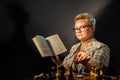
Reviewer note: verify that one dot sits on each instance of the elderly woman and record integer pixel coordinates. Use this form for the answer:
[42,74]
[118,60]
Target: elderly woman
[88,51]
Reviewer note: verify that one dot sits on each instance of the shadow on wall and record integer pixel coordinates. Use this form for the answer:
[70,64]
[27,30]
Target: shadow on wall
[17,46]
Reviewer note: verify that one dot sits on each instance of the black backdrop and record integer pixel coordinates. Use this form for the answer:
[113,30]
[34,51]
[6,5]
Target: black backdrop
[23,19]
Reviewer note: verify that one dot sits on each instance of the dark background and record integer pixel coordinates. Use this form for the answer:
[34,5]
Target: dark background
[20,20]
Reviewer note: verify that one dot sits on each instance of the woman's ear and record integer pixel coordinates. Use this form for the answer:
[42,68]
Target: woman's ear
[93,28]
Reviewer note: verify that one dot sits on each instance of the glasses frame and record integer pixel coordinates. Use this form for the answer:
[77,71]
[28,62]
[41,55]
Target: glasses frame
[82,28]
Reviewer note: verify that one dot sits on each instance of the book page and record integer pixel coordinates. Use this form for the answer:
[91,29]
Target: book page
[56,44]
[42,46]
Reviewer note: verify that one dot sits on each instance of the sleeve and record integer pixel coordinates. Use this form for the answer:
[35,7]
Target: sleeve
[101,56]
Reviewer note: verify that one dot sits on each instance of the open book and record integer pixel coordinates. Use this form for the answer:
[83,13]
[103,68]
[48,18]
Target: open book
[49,46]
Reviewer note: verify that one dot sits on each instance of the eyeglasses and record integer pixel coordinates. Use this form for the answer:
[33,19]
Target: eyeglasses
[82,28]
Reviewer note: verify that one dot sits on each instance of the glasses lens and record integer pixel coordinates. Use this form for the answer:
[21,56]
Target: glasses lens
[82,28]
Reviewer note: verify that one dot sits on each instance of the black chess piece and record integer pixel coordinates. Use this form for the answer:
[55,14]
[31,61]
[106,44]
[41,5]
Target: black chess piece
[71,75]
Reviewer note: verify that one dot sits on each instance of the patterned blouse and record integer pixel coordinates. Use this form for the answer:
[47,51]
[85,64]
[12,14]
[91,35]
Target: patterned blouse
[99,53]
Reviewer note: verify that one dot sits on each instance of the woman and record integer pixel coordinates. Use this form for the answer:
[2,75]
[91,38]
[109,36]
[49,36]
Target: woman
[88,51]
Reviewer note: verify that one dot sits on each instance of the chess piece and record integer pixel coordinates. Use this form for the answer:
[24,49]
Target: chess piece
[39,76]
[53,70]
[67,72]
[58,73]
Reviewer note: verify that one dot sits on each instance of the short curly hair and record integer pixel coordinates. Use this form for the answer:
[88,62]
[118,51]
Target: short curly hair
[87,16]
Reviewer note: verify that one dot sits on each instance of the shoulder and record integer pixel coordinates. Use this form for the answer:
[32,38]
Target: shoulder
[98,44]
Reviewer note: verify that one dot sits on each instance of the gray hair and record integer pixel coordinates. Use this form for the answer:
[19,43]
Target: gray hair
[87,16]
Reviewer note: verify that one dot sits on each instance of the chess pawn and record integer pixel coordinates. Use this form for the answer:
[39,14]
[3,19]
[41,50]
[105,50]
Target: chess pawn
[67,75]
[58,73]
[100,70]
[92,72]
[52,73]
[96,69]
[67,72]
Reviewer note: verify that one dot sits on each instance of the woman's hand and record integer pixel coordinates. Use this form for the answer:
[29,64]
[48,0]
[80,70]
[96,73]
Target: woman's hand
[56,60]
[82,58]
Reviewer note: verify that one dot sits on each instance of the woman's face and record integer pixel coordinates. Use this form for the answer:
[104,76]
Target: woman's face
[83,30]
